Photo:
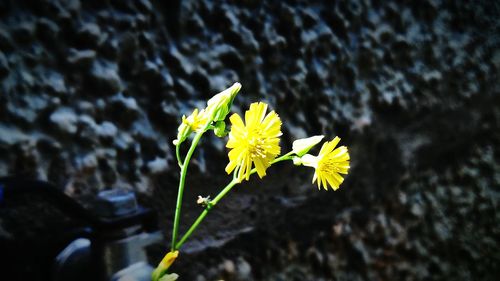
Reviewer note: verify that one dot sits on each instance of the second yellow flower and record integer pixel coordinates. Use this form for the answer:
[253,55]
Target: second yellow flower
[253,143]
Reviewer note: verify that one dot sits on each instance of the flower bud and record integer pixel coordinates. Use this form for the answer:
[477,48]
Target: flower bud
[193,123]
[219,105]
[302,146]
[165,263]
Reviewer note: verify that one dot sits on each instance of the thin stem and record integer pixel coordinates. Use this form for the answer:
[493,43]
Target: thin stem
[216,200]
[178,155]
[281,158]
[182,181]
[203,214]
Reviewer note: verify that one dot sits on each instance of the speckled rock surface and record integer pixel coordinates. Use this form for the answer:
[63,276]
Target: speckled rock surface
[92,92]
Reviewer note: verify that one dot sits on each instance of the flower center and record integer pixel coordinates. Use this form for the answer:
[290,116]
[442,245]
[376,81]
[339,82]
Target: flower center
[327,165]
[255,144]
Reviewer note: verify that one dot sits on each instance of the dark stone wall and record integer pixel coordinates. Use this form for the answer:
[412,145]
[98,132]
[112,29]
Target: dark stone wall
[92,93]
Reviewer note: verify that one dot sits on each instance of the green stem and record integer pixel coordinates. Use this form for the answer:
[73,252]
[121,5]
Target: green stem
[182,182]
[282,158]
[216,200]
[178,155]
[203,214]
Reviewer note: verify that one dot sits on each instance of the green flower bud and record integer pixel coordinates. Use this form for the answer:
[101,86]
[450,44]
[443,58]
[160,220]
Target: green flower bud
[302,146]
[219,105]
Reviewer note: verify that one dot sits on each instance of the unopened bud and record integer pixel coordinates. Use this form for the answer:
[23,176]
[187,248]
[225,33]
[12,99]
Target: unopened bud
[302,146]
[219,105]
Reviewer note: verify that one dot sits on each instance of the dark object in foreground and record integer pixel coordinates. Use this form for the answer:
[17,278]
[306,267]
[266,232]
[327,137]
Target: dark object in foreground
[108,245]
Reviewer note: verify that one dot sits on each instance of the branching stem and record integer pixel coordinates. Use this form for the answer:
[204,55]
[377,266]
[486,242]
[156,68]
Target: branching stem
[182,181]
[216,200]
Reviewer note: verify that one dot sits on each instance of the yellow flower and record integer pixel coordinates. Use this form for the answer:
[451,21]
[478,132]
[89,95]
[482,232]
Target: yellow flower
[196,120]
[256,141]
[193,123]
[329,164]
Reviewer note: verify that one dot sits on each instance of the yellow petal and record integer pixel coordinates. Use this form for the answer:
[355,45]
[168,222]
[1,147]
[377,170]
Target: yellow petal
[248,167]
[329,146]
[230,166]
[260,167]
[236,121]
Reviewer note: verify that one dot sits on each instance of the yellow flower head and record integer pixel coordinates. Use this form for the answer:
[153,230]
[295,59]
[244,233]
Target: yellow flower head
[192,123]
[196,120]
[329,164]
[255,141]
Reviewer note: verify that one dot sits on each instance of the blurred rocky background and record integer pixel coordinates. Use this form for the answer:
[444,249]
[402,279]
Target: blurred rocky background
[92,93]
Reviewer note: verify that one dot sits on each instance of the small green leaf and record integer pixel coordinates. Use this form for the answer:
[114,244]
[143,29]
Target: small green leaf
[169,277]
[220,129]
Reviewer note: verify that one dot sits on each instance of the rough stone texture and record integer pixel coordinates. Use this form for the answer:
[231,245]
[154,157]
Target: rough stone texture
[92,92]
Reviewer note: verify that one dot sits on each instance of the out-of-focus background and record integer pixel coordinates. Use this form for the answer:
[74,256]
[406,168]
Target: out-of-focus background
[92,93]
